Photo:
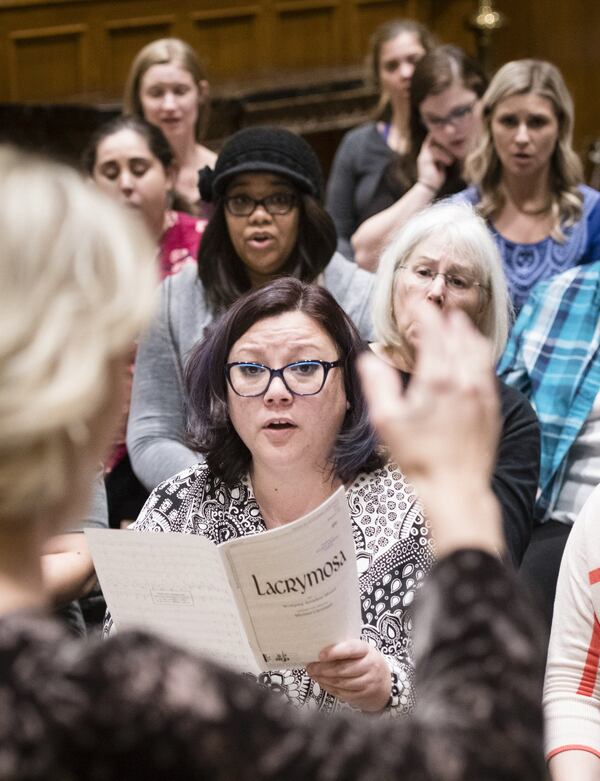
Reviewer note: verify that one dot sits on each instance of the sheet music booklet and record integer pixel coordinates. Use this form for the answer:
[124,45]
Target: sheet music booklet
[267,601]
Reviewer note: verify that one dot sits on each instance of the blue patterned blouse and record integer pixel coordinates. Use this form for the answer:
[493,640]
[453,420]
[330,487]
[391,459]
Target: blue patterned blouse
[527,264]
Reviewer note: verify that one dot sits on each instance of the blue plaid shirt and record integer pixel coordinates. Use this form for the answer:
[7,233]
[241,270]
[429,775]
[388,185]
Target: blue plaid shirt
[553,357]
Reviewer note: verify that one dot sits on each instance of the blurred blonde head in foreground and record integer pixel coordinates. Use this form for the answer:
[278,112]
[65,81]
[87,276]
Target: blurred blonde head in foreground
[77,287]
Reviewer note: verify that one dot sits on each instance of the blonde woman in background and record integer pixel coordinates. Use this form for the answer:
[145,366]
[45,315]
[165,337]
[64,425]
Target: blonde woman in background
[137,706]
[167,87]
[527,180]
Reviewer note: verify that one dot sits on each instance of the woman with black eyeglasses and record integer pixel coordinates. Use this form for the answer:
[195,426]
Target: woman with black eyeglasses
[276,410]
[446,89]
[268,221]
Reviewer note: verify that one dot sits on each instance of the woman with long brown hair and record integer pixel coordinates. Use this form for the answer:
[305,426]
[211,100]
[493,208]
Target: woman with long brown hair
[444,126]
[358,186]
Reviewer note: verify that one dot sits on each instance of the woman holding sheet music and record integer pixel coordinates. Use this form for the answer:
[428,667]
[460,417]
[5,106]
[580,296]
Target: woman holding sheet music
[138,707]
[275,407]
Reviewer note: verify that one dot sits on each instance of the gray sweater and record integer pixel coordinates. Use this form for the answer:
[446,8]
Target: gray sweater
[155,434]
[356,171]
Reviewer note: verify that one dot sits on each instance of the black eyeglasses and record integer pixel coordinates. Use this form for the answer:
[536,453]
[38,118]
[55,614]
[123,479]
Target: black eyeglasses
[244,205]
[457,117]
[301,378]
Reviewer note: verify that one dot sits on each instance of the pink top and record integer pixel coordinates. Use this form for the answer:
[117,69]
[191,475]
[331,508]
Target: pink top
[180,241]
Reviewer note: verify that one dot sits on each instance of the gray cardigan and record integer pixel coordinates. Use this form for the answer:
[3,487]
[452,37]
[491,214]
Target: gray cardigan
[155,433]
[356,170]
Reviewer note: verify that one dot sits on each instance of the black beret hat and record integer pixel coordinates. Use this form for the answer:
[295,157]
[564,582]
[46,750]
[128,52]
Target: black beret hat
[264,149]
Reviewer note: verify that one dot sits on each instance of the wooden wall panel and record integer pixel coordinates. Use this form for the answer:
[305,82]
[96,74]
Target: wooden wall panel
[448,20]
[124,36]
[306,34]
[57,50]
[48,63]
[367,15]
[230,42]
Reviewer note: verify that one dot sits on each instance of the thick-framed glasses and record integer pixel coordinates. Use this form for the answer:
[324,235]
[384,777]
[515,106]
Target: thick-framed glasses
[456,117]
[244,205]
[456,283]
[301,378]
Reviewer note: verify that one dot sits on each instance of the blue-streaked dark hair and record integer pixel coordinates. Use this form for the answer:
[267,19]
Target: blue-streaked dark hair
[210,430]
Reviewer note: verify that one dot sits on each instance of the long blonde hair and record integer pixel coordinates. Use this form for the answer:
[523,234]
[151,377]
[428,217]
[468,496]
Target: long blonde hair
[162,52]
[483,167]
[77,285]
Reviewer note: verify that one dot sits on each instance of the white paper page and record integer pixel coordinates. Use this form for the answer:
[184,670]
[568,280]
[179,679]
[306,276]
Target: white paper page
[174,585]
[297,586]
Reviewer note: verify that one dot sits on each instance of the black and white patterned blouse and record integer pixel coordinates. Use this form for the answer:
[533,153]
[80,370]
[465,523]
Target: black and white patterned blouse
[135,707]
[393,552]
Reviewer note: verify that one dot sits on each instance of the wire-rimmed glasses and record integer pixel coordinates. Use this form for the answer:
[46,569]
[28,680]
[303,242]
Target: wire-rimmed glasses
[457,283]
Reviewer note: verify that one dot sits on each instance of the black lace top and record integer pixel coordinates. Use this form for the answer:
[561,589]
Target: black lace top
[134,707]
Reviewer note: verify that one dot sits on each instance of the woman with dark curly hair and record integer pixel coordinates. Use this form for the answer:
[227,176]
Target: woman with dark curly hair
[268,222]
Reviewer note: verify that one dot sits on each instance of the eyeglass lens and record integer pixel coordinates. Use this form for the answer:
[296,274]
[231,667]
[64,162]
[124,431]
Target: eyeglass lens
[304,378]
[455,117]
[244,205]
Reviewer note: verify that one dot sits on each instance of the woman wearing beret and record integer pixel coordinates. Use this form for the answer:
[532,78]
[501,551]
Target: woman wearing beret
[268,221]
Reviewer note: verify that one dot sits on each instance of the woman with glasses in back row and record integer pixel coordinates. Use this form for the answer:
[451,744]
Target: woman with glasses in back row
[445,93]
[268,221]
